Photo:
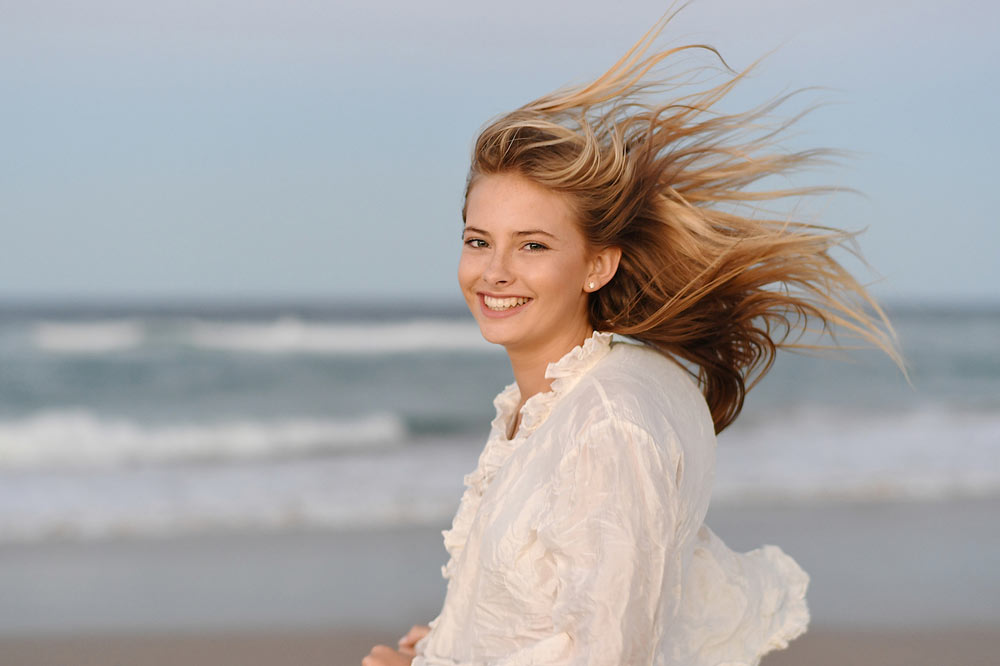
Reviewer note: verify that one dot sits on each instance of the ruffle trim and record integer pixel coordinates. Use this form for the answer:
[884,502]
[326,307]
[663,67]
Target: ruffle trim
[739,606]
[564,373]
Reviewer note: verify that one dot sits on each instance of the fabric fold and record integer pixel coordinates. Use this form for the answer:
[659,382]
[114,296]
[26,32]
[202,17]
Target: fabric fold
[737,607]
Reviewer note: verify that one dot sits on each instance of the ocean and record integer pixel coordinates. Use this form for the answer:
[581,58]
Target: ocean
[162,421]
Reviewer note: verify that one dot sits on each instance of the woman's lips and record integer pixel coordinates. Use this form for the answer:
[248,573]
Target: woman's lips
[508,305]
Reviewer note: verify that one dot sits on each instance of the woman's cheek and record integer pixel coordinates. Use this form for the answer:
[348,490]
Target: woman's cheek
[466,269]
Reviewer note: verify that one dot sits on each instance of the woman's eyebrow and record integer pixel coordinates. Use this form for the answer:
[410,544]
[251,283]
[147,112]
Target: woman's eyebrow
[535,232]
[529,232]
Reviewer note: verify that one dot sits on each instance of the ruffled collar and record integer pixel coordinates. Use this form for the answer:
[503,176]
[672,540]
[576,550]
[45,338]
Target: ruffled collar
[564,373]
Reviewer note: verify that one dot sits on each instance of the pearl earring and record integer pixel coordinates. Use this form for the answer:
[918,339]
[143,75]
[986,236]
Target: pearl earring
[590,285]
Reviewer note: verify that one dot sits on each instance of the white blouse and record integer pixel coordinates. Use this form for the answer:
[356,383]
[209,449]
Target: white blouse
[581,541]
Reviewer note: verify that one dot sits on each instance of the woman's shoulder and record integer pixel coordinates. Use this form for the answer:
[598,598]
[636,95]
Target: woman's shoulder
[639,363]
[640,374]
[638,406]
[645,388]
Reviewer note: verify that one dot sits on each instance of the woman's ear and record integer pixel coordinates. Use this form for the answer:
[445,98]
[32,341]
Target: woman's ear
[603,267]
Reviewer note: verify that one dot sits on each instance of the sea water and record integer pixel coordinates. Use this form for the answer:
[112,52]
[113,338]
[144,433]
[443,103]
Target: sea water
[159,421]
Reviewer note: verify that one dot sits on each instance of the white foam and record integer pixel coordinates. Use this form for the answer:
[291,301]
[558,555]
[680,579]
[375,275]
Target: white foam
[289,334]
[88,337]
[283,335]
[82,439]
[423,487]
[841,454]
[816,454]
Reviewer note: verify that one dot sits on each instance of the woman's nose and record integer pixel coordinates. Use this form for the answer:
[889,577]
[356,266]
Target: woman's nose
[498,270]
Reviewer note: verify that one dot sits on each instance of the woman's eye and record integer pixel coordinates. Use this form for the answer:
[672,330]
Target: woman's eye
[534,247]
[475,242]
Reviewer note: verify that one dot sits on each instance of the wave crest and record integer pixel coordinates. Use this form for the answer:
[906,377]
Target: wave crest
[283,335]
[78,438]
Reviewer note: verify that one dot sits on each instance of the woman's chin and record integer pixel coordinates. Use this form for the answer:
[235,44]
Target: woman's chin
[497,332]
[490,334]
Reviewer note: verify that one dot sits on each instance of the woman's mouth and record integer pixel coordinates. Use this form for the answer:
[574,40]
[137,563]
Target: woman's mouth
[500,304]
[493,306]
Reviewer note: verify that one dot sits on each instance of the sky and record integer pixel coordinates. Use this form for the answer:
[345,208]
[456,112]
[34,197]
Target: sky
[258,149]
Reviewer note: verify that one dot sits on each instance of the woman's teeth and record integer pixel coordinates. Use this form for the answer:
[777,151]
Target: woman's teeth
[503,303]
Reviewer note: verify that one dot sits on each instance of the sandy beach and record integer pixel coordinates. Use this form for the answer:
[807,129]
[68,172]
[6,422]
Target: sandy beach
[903,583]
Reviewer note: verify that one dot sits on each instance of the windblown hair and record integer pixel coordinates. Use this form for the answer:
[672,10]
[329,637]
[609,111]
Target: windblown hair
[705,274]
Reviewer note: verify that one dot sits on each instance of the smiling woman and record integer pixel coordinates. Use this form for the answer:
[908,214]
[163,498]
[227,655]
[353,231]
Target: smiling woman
[580,538]
[526,268]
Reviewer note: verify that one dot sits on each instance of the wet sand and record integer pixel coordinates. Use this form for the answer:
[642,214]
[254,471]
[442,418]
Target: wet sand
[904,583]
[939,647]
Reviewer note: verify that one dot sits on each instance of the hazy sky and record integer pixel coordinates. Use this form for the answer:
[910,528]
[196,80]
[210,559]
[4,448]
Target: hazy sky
[318,149]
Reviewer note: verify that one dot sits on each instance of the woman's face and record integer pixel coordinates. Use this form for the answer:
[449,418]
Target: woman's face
[525,265]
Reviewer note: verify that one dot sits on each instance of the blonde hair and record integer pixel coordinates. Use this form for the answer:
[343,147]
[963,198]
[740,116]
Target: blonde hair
[666,182]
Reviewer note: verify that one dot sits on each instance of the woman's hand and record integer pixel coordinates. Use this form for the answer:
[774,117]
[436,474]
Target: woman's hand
[383,655]
[407,644]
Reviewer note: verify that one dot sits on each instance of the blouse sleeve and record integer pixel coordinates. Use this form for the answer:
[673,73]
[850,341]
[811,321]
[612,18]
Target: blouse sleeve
[611,530]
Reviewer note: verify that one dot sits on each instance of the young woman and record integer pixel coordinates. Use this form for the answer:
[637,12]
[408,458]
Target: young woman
[602,210]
